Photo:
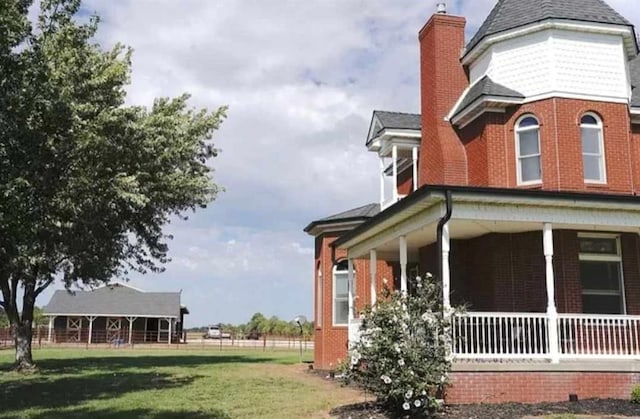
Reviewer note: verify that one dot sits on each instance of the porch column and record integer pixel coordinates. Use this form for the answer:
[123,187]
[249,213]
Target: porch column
[131,320]
[394,154]
[552,312]
[415,169]
[373,266]
[51,320]
[350,291]
[446,275]
[91,319]
[381,182]
[403,264]
[169,320]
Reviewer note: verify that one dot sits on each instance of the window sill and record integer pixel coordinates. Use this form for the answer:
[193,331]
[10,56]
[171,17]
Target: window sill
[533,185]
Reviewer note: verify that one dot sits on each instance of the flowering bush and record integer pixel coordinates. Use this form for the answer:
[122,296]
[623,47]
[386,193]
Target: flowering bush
[404,354]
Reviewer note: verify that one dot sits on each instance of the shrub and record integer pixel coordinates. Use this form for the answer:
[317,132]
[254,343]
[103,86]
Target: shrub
[635,394]
[404,354]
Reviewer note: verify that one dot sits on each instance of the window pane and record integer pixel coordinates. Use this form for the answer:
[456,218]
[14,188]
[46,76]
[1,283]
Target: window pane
[341,284]
[600,275]
[598,245]
[591,140]
[589,120]
[529,142]
[530,167]
[341,315]
[592,168]
[601,304]
[528,122]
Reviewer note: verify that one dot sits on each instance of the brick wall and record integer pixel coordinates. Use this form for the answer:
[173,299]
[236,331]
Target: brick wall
[536,387]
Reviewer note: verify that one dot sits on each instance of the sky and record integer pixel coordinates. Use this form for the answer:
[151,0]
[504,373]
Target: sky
[301,79]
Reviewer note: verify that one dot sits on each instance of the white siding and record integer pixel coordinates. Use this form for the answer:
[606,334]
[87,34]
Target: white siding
[557,62]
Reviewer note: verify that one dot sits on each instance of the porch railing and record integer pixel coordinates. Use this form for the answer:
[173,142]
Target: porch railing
[500,335]
[598,336]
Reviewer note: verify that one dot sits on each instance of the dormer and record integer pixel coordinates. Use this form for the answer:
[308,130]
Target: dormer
[396,137]
[529,50]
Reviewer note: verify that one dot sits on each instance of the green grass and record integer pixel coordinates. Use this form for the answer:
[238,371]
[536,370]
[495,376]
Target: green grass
[73,383]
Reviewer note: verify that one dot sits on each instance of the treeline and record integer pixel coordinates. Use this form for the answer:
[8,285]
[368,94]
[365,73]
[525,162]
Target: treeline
[259,325]
[38,318]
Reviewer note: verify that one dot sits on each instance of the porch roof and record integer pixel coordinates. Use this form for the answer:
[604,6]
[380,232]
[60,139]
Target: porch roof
[478,211]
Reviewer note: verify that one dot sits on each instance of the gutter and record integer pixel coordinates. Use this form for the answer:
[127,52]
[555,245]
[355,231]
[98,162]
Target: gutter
[444,220]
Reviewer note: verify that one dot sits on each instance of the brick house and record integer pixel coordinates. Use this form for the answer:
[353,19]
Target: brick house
[517,185]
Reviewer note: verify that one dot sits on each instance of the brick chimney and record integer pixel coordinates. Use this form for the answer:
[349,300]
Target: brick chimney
[443,79]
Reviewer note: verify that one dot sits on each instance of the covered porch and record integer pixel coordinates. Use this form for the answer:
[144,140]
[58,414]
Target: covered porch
[546,277]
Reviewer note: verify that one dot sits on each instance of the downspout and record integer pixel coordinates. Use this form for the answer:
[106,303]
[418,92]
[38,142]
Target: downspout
[444,220]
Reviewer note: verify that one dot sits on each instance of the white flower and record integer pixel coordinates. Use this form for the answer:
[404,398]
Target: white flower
[424,392]
[417,403]
[386,379]
[429,276]
[401,362]
[384,281]
[396,347]
[406,406]
[408,394]
[443,378]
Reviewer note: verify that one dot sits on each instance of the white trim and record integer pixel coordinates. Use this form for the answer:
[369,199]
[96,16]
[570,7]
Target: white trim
[110,284]
[625,32]
[342,299]
[518,130]
[601,155]
[153,316]
[319,297]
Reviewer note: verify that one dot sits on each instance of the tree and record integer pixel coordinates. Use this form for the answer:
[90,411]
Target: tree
[404,354]
[87,183]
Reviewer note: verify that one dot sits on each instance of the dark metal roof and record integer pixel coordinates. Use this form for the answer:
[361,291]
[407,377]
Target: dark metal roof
[115,299]
[427,190]
[487,87]
[357,214]
[511,14]
[395,120]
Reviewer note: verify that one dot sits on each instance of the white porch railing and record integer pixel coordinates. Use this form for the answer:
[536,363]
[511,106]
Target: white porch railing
[598,336]
[500,336]
[386,204]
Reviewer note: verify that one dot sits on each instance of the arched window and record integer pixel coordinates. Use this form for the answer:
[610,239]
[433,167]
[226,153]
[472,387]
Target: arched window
[341,293]
[528,151]
[592,149]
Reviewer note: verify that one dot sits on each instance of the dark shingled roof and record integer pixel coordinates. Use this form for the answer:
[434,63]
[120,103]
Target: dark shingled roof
[360,213]
[511,14]
[398,120]
[487,87]
[115,299]
[634,70]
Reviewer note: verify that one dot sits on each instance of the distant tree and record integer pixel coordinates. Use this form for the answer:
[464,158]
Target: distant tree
[87,183]
[4,321]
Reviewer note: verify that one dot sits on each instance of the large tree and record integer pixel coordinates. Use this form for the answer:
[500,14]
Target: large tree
[86,183]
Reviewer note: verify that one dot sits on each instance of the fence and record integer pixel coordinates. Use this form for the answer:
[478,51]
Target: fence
[596,336]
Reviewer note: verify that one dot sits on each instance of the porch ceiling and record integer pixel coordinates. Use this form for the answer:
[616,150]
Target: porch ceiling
[476,214]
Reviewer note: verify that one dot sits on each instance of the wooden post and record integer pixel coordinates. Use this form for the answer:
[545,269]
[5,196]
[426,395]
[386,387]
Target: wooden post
[91,319]
[131,320]
[552,313]
[373,265]
[403,264]
[51,320]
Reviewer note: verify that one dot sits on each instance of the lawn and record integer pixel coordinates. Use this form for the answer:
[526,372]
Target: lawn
[76,383]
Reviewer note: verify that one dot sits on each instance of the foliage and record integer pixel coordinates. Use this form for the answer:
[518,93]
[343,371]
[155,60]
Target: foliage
[87,183]
[635,394]
[404,354]
[259,325]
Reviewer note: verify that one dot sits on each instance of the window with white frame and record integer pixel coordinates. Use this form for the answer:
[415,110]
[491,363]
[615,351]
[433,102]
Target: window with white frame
[319,301]
[592,149]
[601,274]
[341,294]
[528,150]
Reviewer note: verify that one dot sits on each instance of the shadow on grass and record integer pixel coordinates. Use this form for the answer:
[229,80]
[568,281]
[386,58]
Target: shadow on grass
[115,363]
[47,392]
[131,413]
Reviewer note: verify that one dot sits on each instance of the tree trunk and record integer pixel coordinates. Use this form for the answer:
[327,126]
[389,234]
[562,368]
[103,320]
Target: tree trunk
[22,334]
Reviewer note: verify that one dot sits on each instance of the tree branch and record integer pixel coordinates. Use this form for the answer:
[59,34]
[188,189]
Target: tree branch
[43,286]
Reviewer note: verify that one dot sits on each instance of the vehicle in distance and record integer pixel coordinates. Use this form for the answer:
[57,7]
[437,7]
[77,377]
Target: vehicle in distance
[215,332]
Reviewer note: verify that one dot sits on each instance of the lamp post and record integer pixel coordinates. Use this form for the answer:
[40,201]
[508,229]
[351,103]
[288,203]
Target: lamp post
[300,320]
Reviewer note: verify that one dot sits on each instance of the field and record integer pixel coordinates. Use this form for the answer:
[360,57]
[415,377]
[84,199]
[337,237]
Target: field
[76,383]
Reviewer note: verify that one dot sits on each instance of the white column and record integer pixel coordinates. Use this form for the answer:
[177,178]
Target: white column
[446,273]
[552,312]
[51,320]
[91,319]
[350,289]
[131,320]
[403,264]
[373,267]
[394,154]
[381,182]
[415,169]
[170,320]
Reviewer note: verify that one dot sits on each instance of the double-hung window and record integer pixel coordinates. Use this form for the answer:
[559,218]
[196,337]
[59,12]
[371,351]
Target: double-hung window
[592,149]
[528,151]
[601,274]
[341,294]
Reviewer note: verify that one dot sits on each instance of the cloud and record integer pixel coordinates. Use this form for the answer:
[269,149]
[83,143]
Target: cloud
[301,79]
